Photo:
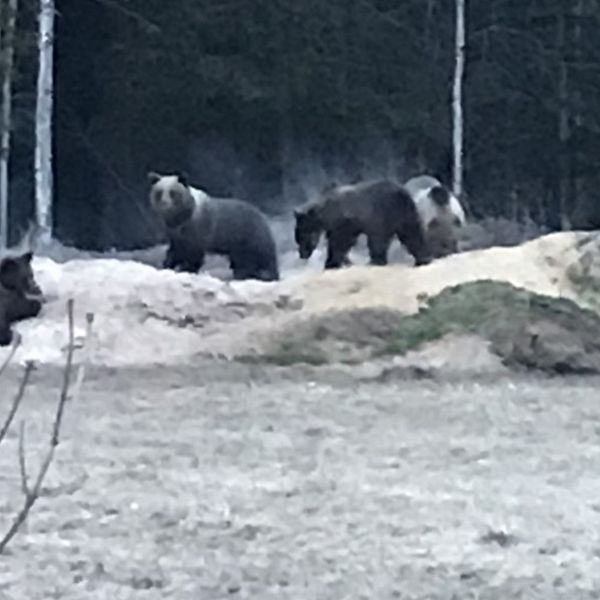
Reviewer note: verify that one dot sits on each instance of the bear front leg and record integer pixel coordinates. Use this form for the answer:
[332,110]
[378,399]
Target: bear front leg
[21,307]
[339,243]
[414,241]
[192,265]
[170,261]
[378,249]
[6,336]
[180,258]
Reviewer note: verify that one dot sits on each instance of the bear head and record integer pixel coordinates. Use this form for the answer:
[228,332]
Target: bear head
[16,275]
[441,215]
[441,238]
[171,197]
[307,230]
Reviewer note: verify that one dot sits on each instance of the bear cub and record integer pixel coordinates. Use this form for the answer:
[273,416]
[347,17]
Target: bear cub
[20,295]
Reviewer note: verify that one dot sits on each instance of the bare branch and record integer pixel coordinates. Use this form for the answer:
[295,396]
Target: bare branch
[15,344]
[64,393]
[33,493]
[23,460]
[87,343]
[17,400]
[148,25]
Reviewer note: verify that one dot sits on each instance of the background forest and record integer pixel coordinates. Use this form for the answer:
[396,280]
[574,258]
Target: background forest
[270,99]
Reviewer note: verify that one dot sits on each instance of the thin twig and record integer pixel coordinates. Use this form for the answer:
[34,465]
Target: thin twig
[64,393]
[132,14]
[34,493]
[23,460]
[17,400]
[87,343]
[15,344]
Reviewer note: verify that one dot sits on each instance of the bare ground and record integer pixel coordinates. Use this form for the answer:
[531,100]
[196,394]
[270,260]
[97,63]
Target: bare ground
[234,481]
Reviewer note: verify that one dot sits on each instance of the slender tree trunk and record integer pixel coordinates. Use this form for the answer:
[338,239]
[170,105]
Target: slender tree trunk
[43,120]
[457,100]
[564,121]
[6,120]
[577,184]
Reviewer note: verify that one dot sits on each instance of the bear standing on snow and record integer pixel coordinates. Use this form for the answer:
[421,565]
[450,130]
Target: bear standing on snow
[20,296]
[440,212]
[379,209]
[197,224]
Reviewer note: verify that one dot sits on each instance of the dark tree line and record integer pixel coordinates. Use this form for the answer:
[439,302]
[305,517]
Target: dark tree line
[269,99]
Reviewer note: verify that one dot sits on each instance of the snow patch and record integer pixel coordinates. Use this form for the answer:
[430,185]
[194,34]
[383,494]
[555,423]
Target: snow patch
[146,315]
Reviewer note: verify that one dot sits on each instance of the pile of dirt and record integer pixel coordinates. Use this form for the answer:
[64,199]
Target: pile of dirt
[146,315]
[523,328]
[540,265]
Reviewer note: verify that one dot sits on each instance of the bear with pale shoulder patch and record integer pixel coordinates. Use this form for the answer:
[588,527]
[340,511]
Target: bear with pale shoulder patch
[20,295]
[440,212]
[198,224]
[379,209]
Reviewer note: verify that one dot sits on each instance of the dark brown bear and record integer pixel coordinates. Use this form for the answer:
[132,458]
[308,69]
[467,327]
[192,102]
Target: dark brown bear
[20,296]
[379,209]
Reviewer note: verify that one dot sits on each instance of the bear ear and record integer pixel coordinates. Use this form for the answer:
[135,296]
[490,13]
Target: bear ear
[153,177]
[27,257]
[182,178]
[440,195]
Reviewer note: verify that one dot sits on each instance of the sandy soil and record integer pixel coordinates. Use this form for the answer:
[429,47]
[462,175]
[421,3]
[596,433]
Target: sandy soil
[222,481]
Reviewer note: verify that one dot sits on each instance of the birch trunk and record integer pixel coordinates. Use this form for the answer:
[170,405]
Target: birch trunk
[457,101]
[43,120]
[6,120]
[564,122]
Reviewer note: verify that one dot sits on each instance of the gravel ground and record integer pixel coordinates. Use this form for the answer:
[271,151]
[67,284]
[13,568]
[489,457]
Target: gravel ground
[235,482]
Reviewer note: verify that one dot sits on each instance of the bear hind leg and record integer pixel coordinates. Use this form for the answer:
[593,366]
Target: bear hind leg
[242,269]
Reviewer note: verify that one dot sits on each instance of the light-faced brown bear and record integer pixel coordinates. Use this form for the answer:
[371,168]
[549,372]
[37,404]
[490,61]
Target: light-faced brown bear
[198,224]
[20,296]
[440,212]
[379,209]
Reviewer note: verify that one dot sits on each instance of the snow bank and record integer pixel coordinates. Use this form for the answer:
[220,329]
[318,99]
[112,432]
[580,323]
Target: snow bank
[145,315]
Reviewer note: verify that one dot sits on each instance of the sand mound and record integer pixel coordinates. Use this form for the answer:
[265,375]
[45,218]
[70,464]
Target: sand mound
[145,315]
[540,265]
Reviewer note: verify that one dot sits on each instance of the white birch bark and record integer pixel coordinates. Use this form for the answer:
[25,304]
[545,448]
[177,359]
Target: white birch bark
[564,120]
[6,119]
[457,100]
[43,120]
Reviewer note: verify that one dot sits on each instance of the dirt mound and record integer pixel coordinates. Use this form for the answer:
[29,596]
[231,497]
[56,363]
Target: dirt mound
[540,266]
[146,315]
[523,328]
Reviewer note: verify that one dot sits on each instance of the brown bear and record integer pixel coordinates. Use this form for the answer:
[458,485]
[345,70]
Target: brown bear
[20,296]
[380,209]
[197,224]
